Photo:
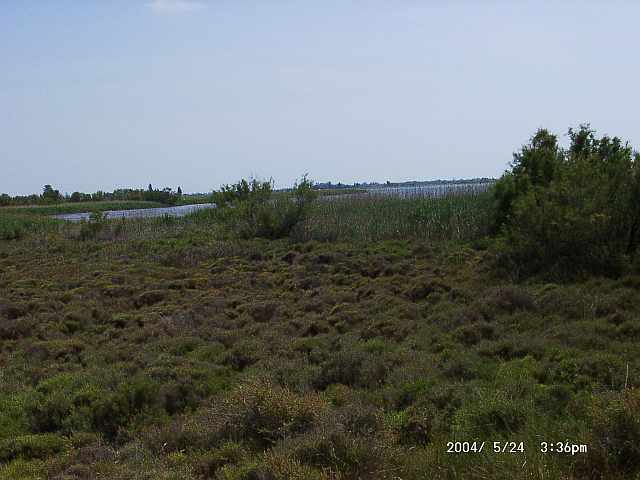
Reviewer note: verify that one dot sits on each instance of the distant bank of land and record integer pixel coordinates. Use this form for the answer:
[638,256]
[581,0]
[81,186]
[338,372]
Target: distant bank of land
[411,183]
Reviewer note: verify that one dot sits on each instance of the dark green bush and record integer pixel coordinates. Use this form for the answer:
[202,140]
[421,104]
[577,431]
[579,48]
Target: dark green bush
[492,411]
[253,209]
[31,446]
[570,211]
[69,403]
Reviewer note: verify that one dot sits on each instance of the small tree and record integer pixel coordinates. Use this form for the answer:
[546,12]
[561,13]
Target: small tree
[49,195]
[573,210]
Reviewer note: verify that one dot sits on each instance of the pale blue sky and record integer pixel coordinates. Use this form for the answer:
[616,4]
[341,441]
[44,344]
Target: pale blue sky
[103,94]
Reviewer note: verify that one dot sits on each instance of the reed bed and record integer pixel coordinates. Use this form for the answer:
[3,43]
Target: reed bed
[461,214]
[434,214]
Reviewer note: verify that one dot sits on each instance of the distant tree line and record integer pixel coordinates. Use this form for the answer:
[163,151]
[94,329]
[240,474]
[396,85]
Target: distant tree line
[50,195]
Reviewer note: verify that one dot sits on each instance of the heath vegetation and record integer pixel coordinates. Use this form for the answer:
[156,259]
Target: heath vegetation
[285,335]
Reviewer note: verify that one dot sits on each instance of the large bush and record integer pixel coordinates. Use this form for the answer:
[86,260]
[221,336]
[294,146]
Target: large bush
[567,211]
[253,209]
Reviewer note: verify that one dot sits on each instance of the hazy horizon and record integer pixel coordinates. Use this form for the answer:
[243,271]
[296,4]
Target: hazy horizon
[102,95]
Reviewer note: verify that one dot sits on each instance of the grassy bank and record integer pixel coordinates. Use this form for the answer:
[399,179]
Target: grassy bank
[163,349]
[18,222]
[80,207]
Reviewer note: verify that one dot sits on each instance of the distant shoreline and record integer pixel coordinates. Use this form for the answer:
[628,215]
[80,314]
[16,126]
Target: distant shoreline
[411,183]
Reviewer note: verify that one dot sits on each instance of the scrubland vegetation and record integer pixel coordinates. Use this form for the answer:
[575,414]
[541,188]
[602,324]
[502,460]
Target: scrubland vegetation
[283,336]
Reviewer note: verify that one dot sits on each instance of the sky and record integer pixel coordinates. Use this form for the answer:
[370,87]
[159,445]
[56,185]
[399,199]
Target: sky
[97,95]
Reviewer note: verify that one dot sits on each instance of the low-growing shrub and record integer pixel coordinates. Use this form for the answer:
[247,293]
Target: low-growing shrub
[352,368]
[491,411]
[614,447]
[252,209]
[263,412]
[68,403]
[31,446]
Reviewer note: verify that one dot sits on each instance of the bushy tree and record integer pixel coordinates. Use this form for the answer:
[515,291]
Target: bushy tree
[533,167]
[570,211]
[252,208]
[49,195]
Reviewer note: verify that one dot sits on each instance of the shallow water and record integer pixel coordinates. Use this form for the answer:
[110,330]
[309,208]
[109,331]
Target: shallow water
[179,211]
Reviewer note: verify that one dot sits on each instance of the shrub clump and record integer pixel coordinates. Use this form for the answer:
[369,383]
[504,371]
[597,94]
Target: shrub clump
[31,446]
[570,211]
[252,209]
[615,435]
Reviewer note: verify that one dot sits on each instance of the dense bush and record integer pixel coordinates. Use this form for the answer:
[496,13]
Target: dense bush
[31,446]
[253,209]
[571,210]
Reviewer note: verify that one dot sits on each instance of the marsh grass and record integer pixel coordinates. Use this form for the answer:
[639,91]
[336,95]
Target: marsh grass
[18,225]
[460,214]
[18,222]
[81,207]
[457,215]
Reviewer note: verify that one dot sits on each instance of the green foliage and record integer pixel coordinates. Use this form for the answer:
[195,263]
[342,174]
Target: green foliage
[570,211]
[31,446]
[70,207]
[14,225]
[615,441]
[252,209]
[49,195]
[91,229]
[69,403]
[463,215]
[138,358]
[165,196]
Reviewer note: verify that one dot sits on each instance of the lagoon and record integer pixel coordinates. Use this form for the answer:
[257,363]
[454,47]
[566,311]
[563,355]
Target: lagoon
[178,211]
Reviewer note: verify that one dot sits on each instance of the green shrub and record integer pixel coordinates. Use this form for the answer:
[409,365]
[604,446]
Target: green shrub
[355,457]
[91,230]
[492,411]
[257,413]
[68,403]
[31,446]
[263,412]
[252,209]
[229,453]
[614,447]
[570,211]
[413,426]
[352,368]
